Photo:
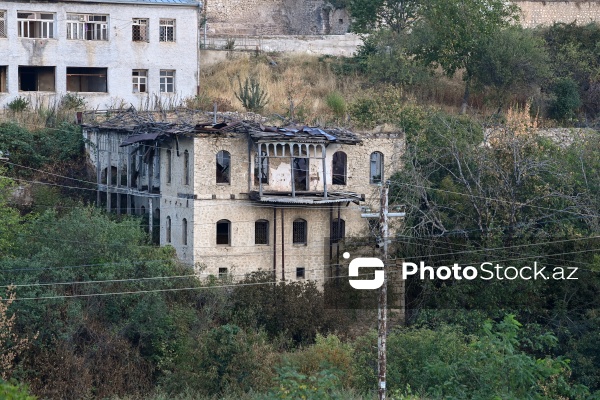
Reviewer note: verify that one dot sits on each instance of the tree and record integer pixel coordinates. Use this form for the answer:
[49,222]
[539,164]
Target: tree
[451,33]
[371,15]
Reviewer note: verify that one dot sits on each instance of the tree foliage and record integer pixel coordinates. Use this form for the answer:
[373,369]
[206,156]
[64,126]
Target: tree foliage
[372,15]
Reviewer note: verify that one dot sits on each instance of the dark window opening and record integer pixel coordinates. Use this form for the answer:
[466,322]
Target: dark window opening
[168,238]
[341,20]
[338,230]
[184,233]
[36,79]
[139,30]
[224,232]
[3,77]
[264,171]
[299,233]
[376,175]
[223,166]
[169,166]
[261,232]
[300,273]
[300,166]
[80,79]
[222,272]
[338,168]
[186,167]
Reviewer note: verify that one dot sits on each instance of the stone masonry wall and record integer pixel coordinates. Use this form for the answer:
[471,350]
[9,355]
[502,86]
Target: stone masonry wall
[535,13]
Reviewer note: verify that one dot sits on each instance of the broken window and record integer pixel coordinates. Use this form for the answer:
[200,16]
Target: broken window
[224,232]
[338,230]
[140,80]
[36,79]
[338,168]
[299,231]
[261,232]
[300,170]
[2,23]
[376,175]
[167,81]
[223,166]
[35,25]
[168,229]
[139,31]
[222,272]
[167,30]
[264,171]
[169,166]
[184,232]
[186,167]
[300,273]
[3,76]
[83,79]
[87,27]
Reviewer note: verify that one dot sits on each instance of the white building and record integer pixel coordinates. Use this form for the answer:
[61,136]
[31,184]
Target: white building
[111,52]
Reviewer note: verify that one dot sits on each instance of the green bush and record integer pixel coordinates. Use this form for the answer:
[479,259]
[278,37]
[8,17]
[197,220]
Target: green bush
[19,104]
[335,101]
[251,95]
[567,100]
[9,391]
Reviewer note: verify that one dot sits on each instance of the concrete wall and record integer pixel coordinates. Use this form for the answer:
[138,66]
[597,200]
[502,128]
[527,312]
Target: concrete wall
[536,13]
[119,54]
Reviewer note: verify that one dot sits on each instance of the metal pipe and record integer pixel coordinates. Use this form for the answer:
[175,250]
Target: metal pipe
[274,244]
[282,246]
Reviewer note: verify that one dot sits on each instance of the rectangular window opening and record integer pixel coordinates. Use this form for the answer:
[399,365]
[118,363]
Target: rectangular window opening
[2,23]
[36,79]
[167,81]
[87,27]
[222,272]
[140,80]
[35,25]
[3,78]
[167,30]
[300,273]
[261,232]
[139,31]
[299,232]
[83,79]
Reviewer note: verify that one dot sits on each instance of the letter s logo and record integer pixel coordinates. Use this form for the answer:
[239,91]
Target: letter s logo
[366,263]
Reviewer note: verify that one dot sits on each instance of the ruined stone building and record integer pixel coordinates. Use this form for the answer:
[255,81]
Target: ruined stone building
[111,52]
[236,197]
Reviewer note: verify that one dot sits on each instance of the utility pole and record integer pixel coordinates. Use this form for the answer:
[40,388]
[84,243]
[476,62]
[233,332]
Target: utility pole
[382,243]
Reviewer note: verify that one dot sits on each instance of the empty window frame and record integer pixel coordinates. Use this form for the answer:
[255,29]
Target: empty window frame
[186,167]
[2,23]
[261,232]
[376,174]
[299,231]
[300,273]
[167,81]
[36,79]
[224,232]
[222,272]
[87,27]
[139,78]
[3,77]
[184,232]
[35,25]
[84,79]
[168,233]
[139,30]
[169,166]
[300,170]
[338,168]
[264,171]
[338,230]
[167,30]
[223,167]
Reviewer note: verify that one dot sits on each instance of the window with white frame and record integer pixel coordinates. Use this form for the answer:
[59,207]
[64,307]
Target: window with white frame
[167,81]
[140,80]
[35,25]
[139,30]
[87,27]
[2,23]
[167,30]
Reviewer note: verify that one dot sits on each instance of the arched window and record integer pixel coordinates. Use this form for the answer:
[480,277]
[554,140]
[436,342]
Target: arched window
[338,230]
[223,166]
[142,210]
[184,232]
[169,167]
[299,231]
[186,168]
[376,175]
[224,232]
[168,238]
[261,232]
[338,168]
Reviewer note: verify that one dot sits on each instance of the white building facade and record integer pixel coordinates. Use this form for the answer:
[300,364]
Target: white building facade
[113,53]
